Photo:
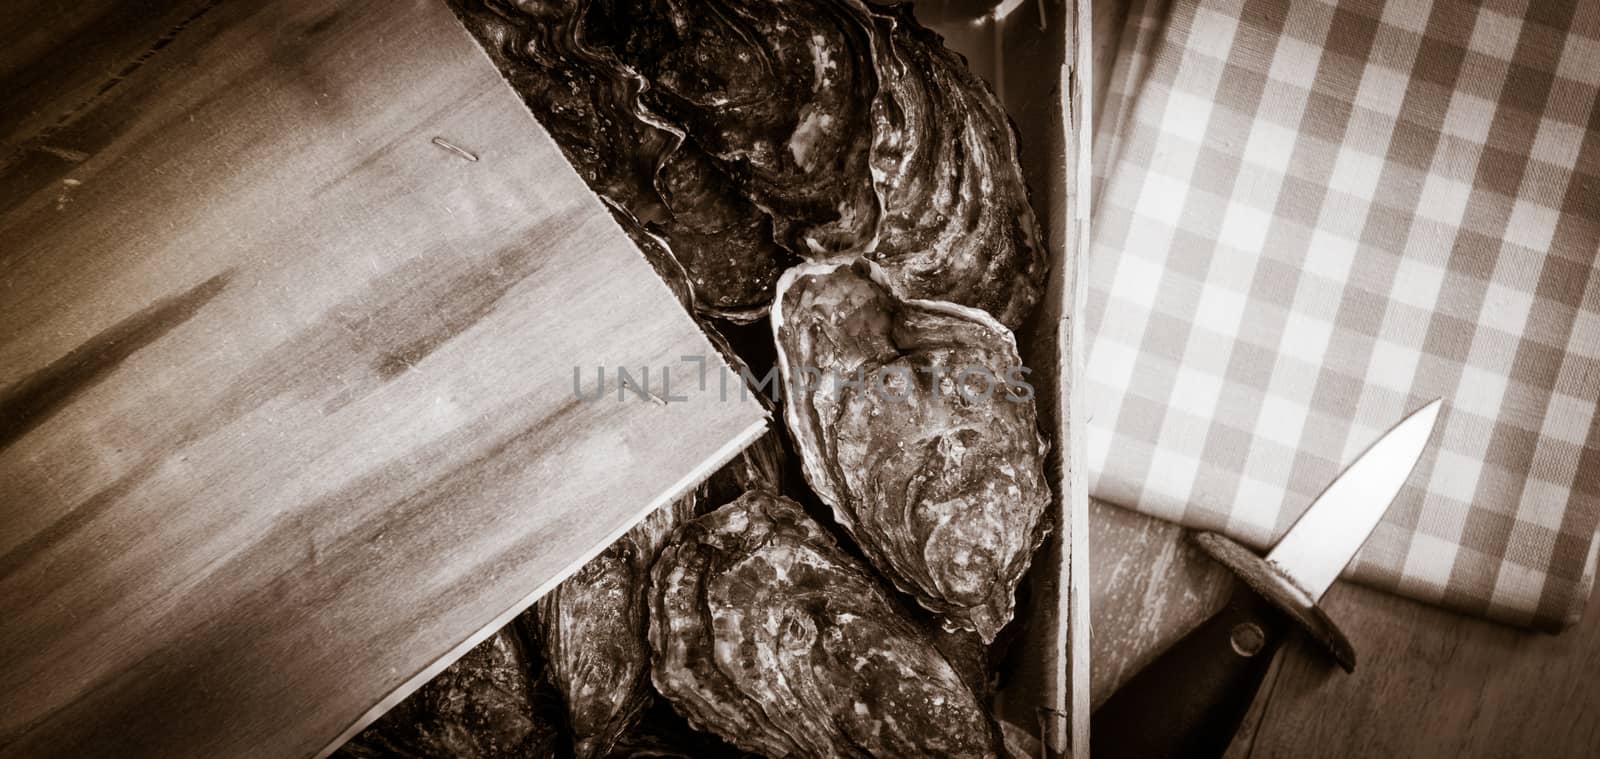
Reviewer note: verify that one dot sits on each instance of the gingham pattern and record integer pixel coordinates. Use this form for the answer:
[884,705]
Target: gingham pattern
[1317,217]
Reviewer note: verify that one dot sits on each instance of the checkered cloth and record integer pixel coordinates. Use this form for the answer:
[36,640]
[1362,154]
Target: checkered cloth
[1318,216]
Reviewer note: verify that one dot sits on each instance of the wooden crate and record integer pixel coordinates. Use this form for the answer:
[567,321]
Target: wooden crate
[275,354]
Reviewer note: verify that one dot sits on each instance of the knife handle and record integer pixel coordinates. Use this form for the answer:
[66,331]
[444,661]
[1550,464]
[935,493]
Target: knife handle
[1190,701]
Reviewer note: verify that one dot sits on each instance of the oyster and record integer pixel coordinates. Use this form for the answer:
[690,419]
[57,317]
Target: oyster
[699,231]
[745,133]
[913,420]
[765,632]
[857,130]
[483,706]
[957,224]
[592,629]
[779,93]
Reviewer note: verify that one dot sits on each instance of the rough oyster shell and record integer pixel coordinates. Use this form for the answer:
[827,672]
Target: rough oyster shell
[763,631]
[481,707]
[592,627]
[912,420]
[856,130]
[592,631]
[957,224]
[779,93]
[700,232]
[743,133]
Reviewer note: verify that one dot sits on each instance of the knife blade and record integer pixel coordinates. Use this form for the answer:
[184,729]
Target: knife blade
[1190,700]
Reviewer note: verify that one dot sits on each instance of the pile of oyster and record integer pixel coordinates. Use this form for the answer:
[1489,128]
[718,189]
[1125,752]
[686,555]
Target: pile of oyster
[831,191]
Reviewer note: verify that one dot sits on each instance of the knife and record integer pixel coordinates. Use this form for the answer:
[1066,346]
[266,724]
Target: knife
[1190,701]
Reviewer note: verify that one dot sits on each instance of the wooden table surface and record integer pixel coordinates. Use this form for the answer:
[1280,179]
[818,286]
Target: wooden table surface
[1429,683]
[291,298]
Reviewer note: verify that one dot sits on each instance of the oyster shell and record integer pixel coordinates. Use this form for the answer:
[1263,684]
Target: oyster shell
[857,131]
[699,231]
[592,631]
[779,93]
[913,421]
[481,707]
[744,133]
[957,224]
[765,632]
[592,627]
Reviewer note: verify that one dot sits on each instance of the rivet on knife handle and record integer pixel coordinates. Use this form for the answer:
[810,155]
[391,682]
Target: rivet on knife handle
[1191,699]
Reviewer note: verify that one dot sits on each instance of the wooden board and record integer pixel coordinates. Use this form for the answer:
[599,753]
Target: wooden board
[287,417]
[1429,683]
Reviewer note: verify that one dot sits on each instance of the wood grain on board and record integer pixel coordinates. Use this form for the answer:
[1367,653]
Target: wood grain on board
[1428,683]
[291,299]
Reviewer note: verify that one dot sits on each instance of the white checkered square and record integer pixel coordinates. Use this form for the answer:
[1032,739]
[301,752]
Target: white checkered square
[1428,560]
[1495,34]
[1566,418]
[1515,582]
[1270,146]
[1578,59]
[1187,117]
[1455,476]
[1256,504]
[1382,90]
[1330,256]
[1356,173]
[1162,198]
[1444,199]
[1213,34]
[1112,363]
[1295,63]
[1481,392]
[1532,225]
[1196,392]
[1245,228]
[1417,282]
[1306,337]
[1469,117]
[1281,421]
[1394,365]
[1138,278]
[1172,476]
[1097,445]
[1505,308]
[1557,142]
[1220,309]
